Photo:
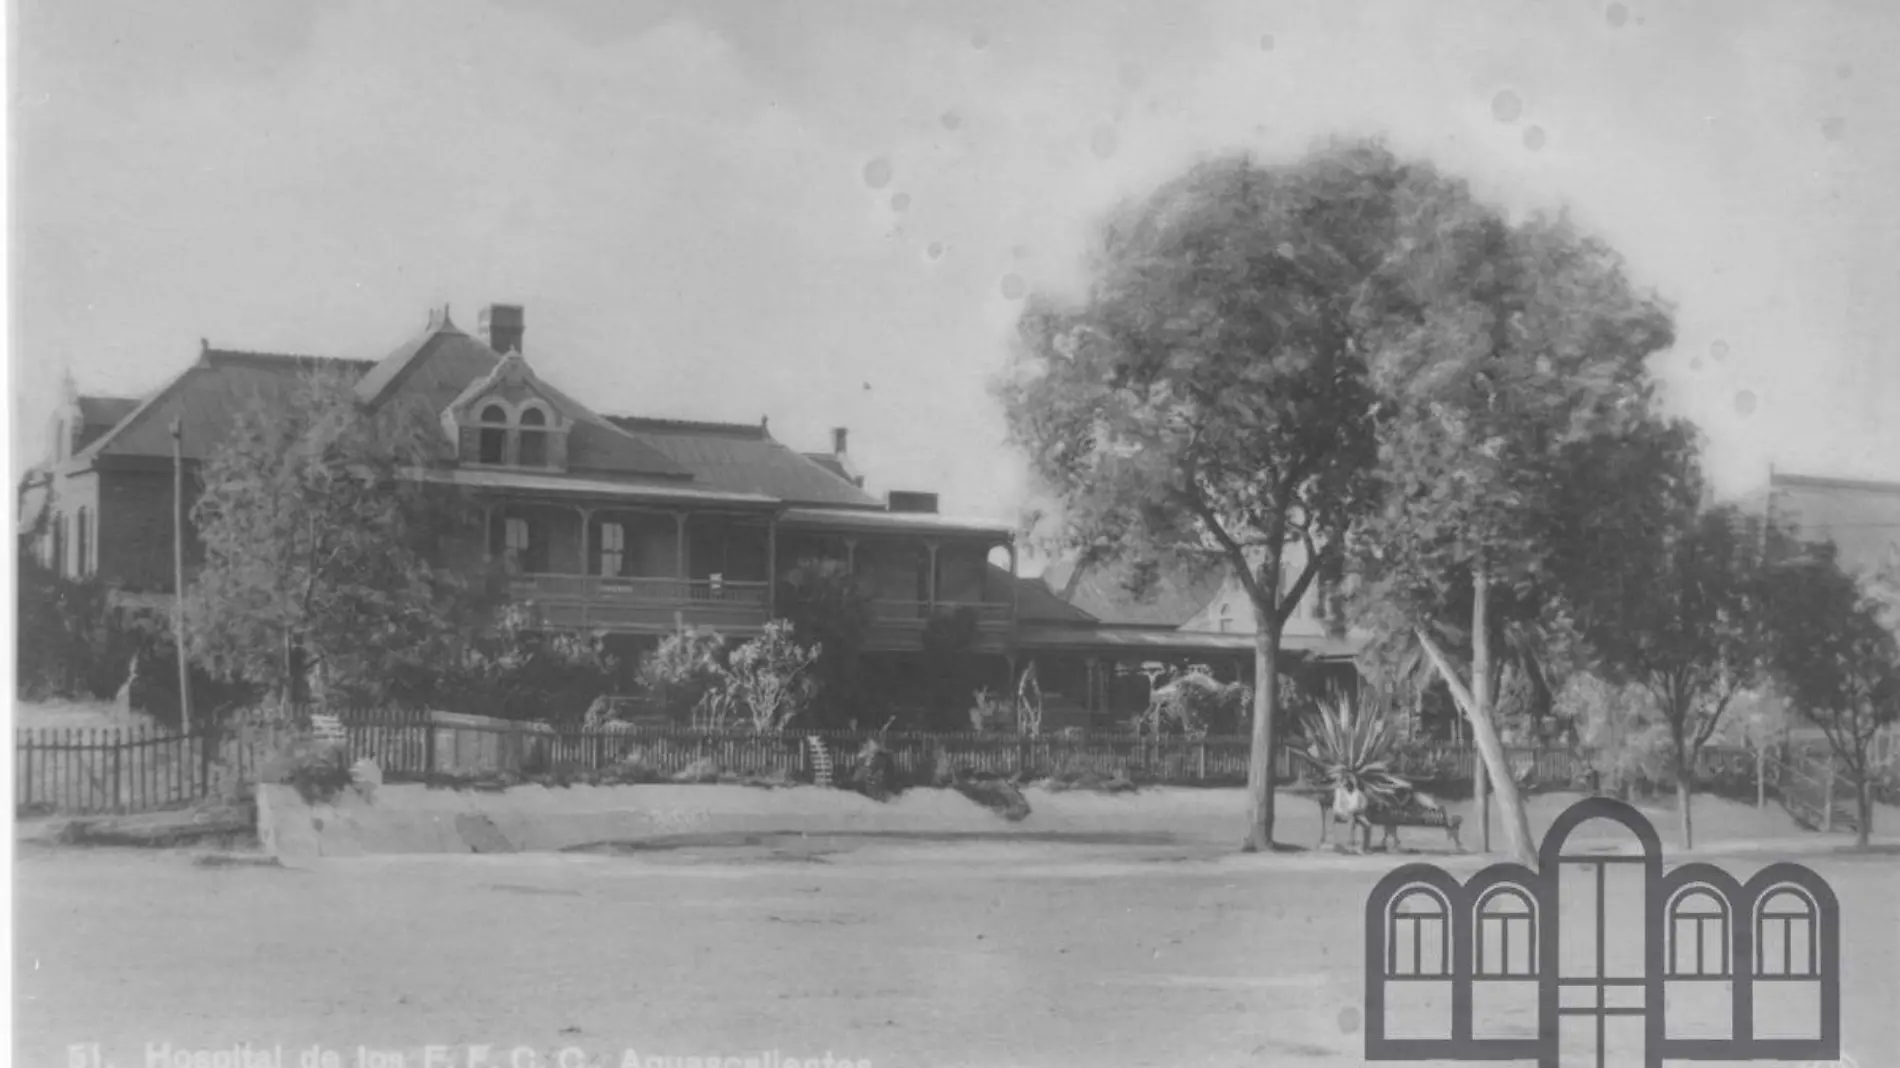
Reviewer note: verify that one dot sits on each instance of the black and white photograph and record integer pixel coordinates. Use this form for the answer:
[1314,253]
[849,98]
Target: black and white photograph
[885,533]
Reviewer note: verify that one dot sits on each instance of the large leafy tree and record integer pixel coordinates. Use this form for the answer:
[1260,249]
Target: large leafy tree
[1682,616]
[829,607]
[1834,654]
[320,558]
[1518,391]
[1207,403]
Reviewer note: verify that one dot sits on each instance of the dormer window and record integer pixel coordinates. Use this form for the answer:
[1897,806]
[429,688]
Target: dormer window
[508,419]
[494,435]
[532,439]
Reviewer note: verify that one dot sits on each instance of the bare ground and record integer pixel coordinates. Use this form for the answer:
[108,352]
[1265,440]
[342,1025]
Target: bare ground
[1149,948]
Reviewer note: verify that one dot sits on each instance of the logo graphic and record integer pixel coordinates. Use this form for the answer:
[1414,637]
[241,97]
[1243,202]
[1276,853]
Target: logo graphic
[1601,951]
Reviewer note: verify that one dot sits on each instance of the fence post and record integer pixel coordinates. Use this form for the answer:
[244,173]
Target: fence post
[118,803]
[1827,799]
[1761,777]
[428,748]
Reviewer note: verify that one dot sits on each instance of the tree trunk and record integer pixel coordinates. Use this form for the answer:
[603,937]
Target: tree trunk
[1683,794]
[1481,793]
[1481,692]
[1517,827]
[1266,701]
[1678,713]
[1864,809]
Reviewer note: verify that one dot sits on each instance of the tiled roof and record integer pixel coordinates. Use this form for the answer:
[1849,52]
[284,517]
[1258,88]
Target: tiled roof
[97,415]
[1037,603]
[295,362]
[106,411]
[1102,591]
[828,461]
[436,366]
[1862,518]
[208,396]
[669,489]
[745,458]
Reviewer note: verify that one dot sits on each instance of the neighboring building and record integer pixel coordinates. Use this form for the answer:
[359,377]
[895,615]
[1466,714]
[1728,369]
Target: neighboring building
[1861,518]
[1096,643]
[634,526]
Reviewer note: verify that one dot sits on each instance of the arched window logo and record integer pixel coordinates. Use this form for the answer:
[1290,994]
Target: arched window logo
[1599,958]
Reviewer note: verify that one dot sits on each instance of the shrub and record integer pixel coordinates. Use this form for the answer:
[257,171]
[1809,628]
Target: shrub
[686,676]
[1627,740]
[318,770]
[770,677]
[1352,747]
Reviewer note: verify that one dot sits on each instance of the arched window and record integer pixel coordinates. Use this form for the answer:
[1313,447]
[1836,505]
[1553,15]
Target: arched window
[1505,935]
[1787,939]
[1418,936]
[532,443]
[1697,934]
[494,441]
[1226,617]
[82,544]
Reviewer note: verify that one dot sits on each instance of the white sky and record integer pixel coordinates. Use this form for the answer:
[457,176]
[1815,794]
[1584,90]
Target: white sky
[683,196]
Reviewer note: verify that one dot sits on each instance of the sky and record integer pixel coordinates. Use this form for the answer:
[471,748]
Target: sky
[829,213]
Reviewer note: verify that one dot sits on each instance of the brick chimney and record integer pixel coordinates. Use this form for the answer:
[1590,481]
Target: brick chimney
[838,453]
[501,327]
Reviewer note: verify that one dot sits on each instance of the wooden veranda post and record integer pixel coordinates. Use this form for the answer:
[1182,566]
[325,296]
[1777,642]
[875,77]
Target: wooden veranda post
[178,572]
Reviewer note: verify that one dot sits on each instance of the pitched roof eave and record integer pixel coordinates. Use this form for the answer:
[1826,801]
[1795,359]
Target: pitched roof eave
[104,441]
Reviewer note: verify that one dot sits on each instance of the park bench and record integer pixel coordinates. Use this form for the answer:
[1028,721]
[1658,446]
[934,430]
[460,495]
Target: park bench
[1416,810]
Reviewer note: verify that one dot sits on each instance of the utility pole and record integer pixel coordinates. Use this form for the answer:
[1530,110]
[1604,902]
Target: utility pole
[178,572]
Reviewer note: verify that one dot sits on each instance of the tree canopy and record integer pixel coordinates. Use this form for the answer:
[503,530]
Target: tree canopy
[1208,402]
[1834,653]
[1511,406]
[320,559]
[1683,615]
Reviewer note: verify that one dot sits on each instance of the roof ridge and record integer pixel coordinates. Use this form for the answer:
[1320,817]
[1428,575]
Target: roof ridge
[226,357]
[757,431]
[1790,478]
[408,356]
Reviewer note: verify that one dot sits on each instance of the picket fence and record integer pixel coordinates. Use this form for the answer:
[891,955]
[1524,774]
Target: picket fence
[130,769]
[135,770]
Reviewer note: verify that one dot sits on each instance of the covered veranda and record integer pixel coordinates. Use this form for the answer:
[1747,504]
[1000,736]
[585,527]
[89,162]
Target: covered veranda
[1099,677]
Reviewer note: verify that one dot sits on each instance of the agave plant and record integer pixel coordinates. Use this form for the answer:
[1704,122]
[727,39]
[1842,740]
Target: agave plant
[1350,745]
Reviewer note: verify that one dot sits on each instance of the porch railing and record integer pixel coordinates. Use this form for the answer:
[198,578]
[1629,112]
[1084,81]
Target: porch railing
[643,590]
[892,610]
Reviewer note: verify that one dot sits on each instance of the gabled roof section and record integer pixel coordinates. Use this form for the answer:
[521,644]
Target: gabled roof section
[1037,603]
[106,411]
[439,366]
[827,461]
[743,458]
[207,398]
[433,367]
[1101,590]
[98,415]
